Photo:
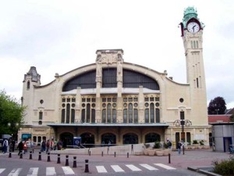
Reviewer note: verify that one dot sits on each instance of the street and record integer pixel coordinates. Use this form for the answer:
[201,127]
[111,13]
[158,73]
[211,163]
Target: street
[96,165]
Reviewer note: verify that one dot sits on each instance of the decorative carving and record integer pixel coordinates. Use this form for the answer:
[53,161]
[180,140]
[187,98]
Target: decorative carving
[177,123]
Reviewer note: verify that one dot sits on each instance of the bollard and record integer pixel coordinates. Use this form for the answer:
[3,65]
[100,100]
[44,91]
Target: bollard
[48,157]
[127,155]
[183,149]
[89,152]
[39,156]
[9,154]
[114,154]
[102,153]
[74,161]
[30,155]
[58,160]
[86,166]
[169,158]
[67,163]
[21,154]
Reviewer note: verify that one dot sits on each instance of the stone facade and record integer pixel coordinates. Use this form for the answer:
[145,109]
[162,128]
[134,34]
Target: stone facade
[113,102]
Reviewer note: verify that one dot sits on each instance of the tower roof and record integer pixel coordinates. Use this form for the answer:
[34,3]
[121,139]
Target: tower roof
[189,13]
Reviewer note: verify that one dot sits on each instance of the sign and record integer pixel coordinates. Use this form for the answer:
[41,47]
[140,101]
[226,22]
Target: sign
[76,141]
[26,136]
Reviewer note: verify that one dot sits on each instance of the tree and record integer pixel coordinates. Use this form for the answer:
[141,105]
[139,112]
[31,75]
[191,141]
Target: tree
[11,114]
[217,106]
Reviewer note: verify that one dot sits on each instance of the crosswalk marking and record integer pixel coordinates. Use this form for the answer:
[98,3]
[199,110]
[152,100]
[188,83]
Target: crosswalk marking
[33,171]
[50,171]
[132,167]
[164,166]
[67,170]
[147,166]
[101,169]
[116,168]
[1,170]
[15,172]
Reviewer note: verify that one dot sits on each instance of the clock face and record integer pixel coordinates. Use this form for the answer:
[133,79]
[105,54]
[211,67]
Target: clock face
[193,27]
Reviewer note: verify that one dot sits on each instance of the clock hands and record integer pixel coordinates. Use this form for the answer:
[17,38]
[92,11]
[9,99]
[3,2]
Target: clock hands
[193,27]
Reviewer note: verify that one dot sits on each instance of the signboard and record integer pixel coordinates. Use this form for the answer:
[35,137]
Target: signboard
[26,136]
[76,141]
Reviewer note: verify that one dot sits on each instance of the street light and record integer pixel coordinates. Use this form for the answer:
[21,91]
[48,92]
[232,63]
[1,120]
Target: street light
[14,127]
[182,122]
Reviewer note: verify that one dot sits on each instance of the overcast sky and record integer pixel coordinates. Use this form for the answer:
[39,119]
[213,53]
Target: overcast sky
[57,36]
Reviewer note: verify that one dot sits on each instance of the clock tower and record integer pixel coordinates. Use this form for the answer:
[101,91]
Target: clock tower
[192,35]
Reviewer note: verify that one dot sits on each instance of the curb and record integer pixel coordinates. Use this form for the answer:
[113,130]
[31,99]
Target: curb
[204,170]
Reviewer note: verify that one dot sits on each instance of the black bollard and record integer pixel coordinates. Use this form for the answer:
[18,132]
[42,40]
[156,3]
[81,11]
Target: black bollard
[169,158]
[114,154]
[30,155]
[9,154]
[67,163]
[39,156]
[58,160]
[21,154]
[48,157]
[127,155]
[102,153]
[86,166]
[74,161]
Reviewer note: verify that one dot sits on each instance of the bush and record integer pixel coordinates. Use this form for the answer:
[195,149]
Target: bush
[201,142]
[147,145]
[195,142]
[157,145]
[224,167]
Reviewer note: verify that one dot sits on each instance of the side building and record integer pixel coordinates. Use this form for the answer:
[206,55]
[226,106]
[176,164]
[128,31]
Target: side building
[113,101]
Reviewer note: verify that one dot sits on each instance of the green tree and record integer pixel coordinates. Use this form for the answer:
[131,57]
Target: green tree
[217,106]
[11,114]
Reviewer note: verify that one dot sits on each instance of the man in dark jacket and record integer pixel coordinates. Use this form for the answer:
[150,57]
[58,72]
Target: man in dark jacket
[20,147]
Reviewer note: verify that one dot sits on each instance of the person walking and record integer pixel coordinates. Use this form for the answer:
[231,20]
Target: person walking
[179,145]
[5,145]
[20,147]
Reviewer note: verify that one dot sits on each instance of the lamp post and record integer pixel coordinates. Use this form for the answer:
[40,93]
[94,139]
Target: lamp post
[182,122]
[14,127]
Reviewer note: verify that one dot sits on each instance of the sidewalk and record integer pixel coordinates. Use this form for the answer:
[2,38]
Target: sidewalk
[191,158]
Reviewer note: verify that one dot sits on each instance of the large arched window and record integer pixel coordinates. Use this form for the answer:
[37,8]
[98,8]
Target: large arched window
[85,80]
[134,79]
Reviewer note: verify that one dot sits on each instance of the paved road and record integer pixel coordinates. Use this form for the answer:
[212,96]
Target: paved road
[108,164]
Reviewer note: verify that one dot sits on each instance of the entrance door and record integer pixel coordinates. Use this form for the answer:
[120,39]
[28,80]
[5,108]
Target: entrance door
[227,141]
[67,139]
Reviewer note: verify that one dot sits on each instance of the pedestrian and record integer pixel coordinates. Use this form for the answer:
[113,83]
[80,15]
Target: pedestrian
[169,144]
[179,145]
[43,145]
[48,146]
[13,145]
[20,147]
[5,145]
